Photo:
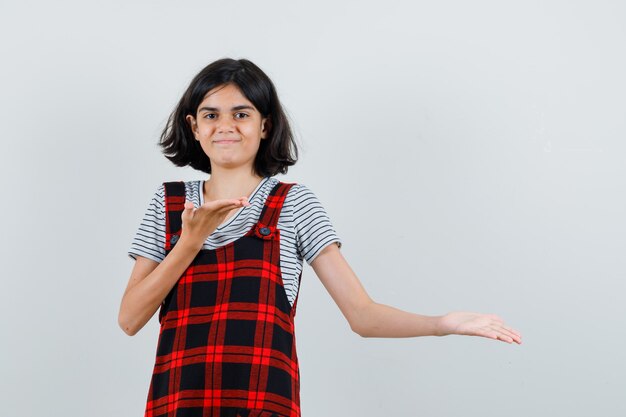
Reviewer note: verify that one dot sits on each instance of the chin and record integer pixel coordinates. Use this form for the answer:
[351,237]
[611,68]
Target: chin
[226,163]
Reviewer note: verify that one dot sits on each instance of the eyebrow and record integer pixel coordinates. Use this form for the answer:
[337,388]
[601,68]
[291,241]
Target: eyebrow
[240,107]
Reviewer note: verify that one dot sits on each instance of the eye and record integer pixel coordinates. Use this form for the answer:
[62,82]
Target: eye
[243,115]
[209,116]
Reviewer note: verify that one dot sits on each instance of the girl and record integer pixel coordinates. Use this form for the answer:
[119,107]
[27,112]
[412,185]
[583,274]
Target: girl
[222,258]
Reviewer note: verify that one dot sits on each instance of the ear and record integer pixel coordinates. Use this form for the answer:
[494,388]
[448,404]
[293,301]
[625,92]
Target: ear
[266,127]
[192,124]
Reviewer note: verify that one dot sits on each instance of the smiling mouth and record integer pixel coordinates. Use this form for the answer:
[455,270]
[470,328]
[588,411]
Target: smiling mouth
[225,141]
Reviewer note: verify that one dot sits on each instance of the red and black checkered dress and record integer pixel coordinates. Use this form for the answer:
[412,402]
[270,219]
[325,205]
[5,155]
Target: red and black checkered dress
[227,344]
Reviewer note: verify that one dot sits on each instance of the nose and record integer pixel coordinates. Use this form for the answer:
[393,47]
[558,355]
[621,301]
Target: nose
[225,124]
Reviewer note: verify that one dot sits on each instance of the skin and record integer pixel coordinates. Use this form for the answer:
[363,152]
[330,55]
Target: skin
[221,116]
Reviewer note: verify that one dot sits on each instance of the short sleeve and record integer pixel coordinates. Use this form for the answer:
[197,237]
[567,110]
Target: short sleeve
[314,230]
[149,240]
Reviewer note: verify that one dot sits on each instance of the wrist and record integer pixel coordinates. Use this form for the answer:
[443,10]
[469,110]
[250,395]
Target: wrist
[440,326]
[189,243]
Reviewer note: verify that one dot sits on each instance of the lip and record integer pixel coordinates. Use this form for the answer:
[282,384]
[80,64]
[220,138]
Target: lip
[226,141]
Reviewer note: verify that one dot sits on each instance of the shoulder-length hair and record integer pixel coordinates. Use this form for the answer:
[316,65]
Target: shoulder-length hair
[276,153]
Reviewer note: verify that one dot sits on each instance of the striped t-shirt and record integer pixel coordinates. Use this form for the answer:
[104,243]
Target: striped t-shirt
[305,228]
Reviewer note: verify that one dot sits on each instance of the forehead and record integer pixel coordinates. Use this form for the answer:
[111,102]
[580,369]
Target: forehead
[229,93]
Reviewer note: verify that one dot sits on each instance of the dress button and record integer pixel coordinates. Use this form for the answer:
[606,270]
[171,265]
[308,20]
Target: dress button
[174,239]
[265,231]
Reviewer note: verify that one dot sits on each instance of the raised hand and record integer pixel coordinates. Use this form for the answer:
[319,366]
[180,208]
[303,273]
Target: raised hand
[476,324]
[199,223]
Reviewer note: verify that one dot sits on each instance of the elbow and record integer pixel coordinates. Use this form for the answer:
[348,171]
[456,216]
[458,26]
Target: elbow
[128,329]
[126,325]
[360,331]
[358,323]
[355,329]
[360,319]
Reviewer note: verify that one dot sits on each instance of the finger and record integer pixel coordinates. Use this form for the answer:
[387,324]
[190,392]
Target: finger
[226,209]
[507,336]
[243,201]
[516,338]
[223,211]
[223,204]
[489,333]
[188,209]
[512,330]
[237,201]
[503,337]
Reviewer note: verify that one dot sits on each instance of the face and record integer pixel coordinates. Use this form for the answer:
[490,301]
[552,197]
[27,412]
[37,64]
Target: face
[230,129]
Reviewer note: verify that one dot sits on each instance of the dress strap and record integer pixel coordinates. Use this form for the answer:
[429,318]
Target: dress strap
[274,204]
[174,207]
[265,227]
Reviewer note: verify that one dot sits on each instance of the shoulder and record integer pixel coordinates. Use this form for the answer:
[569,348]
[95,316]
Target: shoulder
[310,221]
[300,195]
[158,197]
[303,205]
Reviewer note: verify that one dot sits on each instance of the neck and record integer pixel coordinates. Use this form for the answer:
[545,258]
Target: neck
[226,184]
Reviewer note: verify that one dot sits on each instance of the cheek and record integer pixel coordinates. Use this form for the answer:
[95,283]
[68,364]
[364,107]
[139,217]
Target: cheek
[204,127]
[253,131]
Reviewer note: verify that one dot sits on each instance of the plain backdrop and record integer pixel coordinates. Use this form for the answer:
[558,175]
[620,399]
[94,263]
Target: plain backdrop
[470,155]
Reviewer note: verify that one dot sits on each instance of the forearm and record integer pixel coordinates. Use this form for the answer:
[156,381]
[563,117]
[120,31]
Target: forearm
[380,320]
[142,300]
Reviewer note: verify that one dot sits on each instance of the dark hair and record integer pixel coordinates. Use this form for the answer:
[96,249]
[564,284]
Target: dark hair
[275,152]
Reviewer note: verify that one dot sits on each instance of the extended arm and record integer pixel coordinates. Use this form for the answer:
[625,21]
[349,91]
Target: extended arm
[371,319]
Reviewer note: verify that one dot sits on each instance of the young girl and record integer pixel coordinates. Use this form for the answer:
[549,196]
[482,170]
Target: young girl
[222,258]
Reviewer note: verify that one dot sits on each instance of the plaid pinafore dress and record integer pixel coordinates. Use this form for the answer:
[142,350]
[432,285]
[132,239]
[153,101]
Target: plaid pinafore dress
[226,343]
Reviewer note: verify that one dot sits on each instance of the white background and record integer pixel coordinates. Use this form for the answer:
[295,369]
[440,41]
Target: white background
[470,155]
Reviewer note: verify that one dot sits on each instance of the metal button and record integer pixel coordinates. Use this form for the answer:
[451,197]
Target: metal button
[174,239]
[265,231]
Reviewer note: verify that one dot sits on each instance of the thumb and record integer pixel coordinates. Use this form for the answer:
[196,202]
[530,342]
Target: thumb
[188,211]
